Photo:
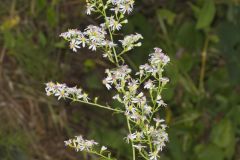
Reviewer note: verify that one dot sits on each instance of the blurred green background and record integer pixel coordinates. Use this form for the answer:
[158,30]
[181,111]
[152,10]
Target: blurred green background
[202,38]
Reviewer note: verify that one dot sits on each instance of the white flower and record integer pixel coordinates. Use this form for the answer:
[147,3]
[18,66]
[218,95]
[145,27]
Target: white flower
[140,98]
[159,137]
[74,44]
[85,97]
[103,148]
[50,88]
[164,80]
[79,144]
[126,6]
[110,44]
[130,41]
[130,109]
[82,39]
[160,102]
[158,121]
[70,34]
[90,8]
[131,137]
[133,85]
[139,147]
[114,24]
[93,46]
[147,109]
[153,155]
[108,82]
[159,57]
[61,93]
[95,33]
[68,142]
[149,84]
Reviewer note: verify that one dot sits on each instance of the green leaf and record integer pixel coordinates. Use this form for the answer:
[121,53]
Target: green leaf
[42,39]
[52,16]
[210,152]
[187,33]
[175,146]
[166,14]
[195,9]
[223,134]
[206,14]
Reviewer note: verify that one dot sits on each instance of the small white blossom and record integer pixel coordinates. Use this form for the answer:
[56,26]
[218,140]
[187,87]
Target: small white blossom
[147,109]
[114,24]
[164,80]
[123,6]
[70,34]
[74,44]
[153,155]
[149,84]
[103,148]
[131,137]
[90,9]
[131,41]
[79,144]
[62,91]
[158,57]
[160,102]
[139,147]
[108,82]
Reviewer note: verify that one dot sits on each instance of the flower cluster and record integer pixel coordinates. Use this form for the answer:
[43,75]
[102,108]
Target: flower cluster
[140,93]
[89,146]
[79,144]
[155,66]
[118,6]
[158,57]
[131,41]
[62,91]
[117,76]
[156,135]
[140,108]
[122,6]
[93,36]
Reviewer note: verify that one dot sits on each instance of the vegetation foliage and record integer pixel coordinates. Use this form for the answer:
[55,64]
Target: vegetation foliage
[202,38]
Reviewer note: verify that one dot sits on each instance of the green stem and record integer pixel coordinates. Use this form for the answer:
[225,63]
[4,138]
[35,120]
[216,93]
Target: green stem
[110,33]
[97,105]
[143,155]
[133,149]
[100,155]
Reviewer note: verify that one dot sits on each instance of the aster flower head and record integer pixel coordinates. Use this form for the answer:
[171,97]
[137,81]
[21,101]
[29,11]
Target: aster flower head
[74,44]
[159,57]
[113,24]
[79,144]
[131,137]
[149,84]
[122,6]
[139,147]
[90,8]
[131,41]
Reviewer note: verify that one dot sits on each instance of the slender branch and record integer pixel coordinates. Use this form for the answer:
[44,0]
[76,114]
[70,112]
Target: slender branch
[100,155]
[133,149]
[110,33]
[97,105]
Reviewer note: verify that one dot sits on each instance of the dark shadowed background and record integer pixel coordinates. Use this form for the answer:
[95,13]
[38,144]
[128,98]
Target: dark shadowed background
[202,37]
